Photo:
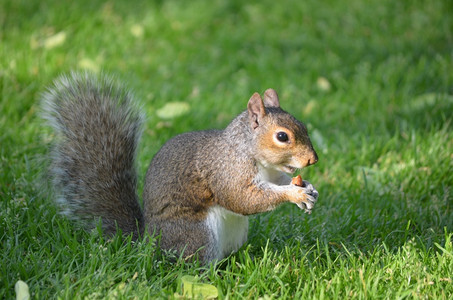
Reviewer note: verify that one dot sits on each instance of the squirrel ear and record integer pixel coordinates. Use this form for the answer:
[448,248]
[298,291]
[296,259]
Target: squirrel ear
[271,98]
[256,110]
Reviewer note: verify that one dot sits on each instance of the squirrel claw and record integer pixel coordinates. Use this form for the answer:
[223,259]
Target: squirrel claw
[304,207]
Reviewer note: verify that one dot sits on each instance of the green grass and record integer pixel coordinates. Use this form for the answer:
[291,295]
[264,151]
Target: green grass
[383,130]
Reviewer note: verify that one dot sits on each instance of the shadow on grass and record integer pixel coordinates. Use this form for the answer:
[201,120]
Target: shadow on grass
[425,112]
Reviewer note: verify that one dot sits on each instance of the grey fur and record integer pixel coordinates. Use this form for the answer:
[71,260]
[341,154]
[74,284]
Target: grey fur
[97,127]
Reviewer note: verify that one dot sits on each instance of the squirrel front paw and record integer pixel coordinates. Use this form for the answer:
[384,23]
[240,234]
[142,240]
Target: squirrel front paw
[307,196]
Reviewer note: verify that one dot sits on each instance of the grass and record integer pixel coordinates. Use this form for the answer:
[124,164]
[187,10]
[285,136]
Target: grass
[371,79]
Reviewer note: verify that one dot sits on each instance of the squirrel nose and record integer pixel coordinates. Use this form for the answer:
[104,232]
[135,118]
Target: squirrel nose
[313,159]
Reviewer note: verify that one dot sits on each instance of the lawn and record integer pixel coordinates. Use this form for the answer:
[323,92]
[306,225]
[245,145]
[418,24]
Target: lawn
[372,80]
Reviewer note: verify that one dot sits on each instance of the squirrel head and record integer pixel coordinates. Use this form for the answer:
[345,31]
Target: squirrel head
[282,141]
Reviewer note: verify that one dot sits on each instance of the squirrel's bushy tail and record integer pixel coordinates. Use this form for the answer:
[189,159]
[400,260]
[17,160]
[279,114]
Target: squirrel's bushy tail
[97,128]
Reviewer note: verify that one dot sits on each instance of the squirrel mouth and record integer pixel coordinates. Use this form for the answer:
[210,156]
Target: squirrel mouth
[289,169]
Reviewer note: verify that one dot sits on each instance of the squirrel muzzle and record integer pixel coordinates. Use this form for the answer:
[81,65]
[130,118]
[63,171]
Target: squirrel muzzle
[312,159]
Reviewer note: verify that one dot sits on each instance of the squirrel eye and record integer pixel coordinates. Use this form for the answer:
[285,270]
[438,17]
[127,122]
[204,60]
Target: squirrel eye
[282,136]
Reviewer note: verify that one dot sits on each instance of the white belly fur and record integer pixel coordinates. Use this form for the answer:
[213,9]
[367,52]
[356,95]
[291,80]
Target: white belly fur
[229,230]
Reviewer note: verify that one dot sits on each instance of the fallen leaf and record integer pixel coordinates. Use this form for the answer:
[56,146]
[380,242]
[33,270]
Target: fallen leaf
[135,276]
[22,291]
[137,31]
[323,84]
[308,109]
[192,289]
[88,64]
[55,40]
[172,110]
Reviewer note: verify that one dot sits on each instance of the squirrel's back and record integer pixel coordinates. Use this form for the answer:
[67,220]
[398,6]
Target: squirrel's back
[97,129]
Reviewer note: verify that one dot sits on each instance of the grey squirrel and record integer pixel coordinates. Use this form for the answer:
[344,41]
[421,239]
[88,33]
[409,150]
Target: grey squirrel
[200,186]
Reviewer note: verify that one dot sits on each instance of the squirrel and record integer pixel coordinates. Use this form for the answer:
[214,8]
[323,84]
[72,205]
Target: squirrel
[200,186]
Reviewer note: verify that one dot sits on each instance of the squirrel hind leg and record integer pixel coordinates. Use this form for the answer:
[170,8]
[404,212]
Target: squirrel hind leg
[192,240]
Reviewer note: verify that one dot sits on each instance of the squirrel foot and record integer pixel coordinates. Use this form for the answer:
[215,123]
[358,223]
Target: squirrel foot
[310,196]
